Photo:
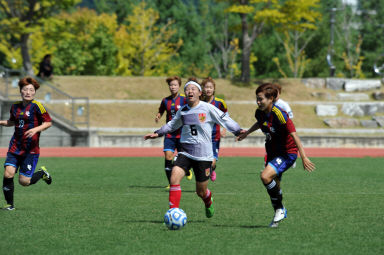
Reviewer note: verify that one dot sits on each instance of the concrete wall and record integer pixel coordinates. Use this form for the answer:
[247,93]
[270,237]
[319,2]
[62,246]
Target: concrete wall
[251,141]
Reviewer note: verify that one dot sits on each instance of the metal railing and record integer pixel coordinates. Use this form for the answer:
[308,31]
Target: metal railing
[72,110]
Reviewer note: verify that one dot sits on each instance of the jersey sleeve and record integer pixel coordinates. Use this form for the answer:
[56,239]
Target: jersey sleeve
[11,115]
[162,107]
[290,126]
[172,125]
[223,106]
[42,112]
[223,119]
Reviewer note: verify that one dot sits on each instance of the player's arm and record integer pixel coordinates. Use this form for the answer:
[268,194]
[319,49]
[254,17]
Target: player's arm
[224,120]
[160,112]
[169,127]
[307,163]
[31,132]
[244,134]
[7,123]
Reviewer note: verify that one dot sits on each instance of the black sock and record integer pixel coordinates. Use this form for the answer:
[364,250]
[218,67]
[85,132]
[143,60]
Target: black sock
[36,177]
[275,194]
[168,169]
[8,189]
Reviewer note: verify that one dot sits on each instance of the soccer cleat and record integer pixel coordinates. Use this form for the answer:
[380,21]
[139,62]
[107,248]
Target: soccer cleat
[210,211]
[46,177]
[168,187]
[280,214]
[8,208]
[213,175]
[189,177]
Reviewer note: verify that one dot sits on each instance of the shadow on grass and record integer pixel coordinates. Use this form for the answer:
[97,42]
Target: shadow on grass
[239,226]
[159,221]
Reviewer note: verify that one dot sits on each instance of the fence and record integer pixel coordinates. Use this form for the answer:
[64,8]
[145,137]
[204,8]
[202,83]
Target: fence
[73,111]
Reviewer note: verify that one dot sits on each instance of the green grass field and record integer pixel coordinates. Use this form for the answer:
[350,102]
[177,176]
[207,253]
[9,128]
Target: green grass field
[116,206]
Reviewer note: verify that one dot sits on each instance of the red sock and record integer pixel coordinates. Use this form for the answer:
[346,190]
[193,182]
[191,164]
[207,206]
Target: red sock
[207,199]
[174,196]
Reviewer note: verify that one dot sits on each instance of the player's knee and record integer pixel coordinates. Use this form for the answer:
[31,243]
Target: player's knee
[24,182]
[265,178]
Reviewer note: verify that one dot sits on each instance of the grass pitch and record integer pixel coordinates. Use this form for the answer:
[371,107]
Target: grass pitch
[116,206]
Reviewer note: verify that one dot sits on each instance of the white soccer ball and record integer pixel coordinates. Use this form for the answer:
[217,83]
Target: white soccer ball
[175,218]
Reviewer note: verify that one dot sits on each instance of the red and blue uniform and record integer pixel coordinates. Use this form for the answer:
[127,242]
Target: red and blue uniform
[24,152]
[279,144]
[219,103]
[171,106]
[216,136]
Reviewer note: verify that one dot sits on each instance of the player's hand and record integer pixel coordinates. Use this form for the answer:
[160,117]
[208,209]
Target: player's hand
[31,132]
[308,165]
[151,136]
[243,134]
[158,116]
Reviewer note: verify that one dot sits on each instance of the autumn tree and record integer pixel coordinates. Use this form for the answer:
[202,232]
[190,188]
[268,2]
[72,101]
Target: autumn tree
[253,14]
[294,31]
[144,47]
[23,18]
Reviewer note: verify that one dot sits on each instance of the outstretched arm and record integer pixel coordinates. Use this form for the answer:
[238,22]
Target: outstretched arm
[7,123]
[243,135]
[151,136]
[307,163]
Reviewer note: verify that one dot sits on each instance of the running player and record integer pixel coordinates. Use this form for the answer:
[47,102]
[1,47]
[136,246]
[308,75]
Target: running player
[209,88]
[282,144]
[30,118]
[196,120]
[171,105]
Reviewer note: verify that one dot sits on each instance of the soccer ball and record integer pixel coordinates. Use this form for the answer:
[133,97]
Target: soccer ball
[175,219]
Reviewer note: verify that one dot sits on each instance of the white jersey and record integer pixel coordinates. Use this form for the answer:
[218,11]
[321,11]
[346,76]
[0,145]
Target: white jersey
[285,106]
[196,133]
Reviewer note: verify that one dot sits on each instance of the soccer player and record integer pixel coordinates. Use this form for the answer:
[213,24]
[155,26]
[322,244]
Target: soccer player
[281,143]
[171,105]
[209,87]
[196,120]
[30,118]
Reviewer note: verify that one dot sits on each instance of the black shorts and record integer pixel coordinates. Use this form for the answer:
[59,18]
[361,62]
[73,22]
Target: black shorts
[202,169]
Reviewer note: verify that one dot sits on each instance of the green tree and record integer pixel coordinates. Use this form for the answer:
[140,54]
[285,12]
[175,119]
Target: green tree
[23,18]
[82,42]
[372,32]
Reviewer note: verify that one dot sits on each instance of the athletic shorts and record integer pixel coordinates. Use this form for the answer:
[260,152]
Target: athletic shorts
[26,163]
[216,148]
[202,169]
[281,163]
[171,144]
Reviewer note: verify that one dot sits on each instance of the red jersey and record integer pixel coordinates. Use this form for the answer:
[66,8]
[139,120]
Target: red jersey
[219,103]
[172,105]
[25,118]
[277,127]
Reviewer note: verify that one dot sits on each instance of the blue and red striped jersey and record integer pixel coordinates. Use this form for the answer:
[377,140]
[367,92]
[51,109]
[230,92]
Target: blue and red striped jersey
[171,106]
[219,103]
[25,118]
[277,127]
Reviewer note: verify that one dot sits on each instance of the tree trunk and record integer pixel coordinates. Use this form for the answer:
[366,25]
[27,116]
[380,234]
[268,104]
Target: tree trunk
[25,54]
[246,51]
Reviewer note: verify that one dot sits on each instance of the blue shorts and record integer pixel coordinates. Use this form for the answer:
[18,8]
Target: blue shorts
[216,148]
[26,163]
[281,163]
[171,144]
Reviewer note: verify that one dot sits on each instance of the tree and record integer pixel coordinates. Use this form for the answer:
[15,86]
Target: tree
[298,17]
[253,14]
[145,47]
[24,17]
